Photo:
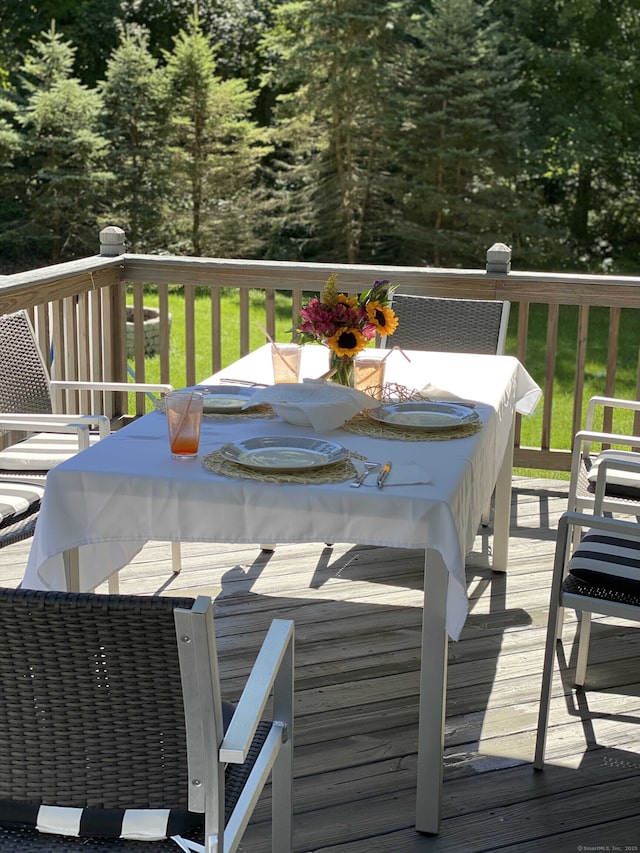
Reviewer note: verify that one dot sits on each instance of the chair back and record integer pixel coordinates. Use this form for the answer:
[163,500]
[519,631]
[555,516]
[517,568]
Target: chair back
[91,703]
[24,381]
[450,325]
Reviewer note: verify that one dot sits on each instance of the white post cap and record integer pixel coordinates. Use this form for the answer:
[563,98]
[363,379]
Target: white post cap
[112,241]
[499,258]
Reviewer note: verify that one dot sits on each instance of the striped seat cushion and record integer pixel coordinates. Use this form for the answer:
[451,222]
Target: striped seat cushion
[132,824]
[609,560]
[40,452]
[18,499]
[624,484]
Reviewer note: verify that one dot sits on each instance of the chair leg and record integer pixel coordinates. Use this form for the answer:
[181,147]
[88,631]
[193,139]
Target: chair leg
[176,558]
[113,584]
[583,648]
[282,800]
[545,693]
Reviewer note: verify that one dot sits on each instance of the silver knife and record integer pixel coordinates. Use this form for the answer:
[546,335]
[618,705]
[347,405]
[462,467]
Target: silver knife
[384,473]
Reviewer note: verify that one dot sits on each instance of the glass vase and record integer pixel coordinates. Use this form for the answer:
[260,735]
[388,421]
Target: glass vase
[343,366]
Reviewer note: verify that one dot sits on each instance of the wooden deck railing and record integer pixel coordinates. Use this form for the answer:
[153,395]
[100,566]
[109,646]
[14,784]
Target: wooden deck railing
[78,309]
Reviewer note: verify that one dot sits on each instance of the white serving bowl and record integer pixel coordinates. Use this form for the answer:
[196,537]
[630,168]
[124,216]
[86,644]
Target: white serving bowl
[291,413]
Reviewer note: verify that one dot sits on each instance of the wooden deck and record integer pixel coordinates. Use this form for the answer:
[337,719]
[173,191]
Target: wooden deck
[357,612]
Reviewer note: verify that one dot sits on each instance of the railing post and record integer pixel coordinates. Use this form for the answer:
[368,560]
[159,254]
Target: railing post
[112,241]
[498,259]
[113,315]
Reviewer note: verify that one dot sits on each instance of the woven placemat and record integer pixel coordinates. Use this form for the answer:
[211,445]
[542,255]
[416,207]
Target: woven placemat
[262,410]
[364,424]
[337,473]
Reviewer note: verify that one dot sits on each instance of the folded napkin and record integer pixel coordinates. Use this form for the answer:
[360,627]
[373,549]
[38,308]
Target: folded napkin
[323,404]
[400,475]
[434,392]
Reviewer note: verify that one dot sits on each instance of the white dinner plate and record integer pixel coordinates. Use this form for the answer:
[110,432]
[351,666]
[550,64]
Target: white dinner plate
[224,398]
[283,453]
[425,415]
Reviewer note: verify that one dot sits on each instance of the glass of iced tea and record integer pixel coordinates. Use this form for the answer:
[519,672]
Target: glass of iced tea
[368,373]
[184,416]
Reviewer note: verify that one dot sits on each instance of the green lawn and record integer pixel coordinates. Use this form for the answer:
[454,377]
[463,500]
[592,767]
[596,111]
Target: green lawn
[535,360]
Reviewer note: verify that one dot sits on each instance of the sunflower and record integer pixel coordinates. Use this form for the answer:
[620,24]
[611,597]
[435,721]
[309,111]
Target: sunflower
[382,317]
[351,301]
[347,341]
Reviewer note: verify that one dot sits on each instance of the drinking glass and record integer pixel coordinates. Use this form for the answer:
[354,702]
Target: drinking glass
[368,374]
[286,362]
[184,416]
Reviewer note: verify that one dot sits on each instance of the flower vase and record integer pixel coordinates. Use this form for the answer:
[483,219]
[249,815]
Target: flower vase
[343,366]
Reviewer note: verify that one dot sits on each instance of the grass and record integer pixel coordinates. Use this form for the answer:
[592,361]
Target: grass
[562,425]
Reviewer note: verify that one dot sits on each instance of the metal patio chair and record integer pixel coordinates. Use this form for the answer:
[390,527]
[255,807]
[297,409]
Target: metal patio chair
[31,411]
[449,325]
[114,735]
[601,576]
[622,487]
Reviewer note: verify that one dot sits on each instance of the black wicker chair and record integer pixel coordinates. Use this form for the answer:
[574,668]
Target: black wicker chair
[449,325]
[602,576]
[112,724]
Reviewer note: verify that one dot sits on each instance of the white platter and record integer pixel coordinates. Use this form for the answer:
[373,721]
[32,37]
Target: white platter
[224,398]
[283,453]
[425,415]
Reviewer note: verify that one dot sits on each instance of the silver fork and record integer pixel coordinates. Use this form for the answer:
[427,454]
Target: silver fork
[369,468]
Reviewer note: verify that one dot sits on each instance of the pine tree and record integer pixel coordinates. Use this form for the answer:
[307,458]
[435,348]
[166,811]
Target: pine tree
[464,125]
[62,166]
[137,109]
[215,151]
[338,111]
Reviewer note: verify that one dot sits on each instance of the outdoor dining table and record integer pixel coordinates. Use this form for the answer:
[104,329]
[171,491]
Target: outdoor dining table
[104,504]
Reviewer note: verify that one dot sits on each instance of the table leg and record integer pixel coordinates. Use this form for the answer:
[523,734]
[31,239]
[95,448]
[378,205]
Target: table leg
[502,515]
[71,559]
[433,694]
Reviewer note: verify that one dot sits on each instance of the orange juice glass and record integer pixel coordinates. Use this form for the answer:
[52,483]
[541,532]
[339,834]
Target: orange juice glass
[368,374]
[184,417]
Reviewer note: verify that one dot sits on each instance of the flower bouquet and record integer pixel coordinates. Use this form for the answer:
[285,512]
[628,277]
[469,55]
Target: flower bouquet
[346,324]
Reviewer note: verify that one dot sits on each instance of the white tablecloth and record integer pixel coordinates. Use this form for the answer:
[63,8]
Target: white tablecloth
[112,498]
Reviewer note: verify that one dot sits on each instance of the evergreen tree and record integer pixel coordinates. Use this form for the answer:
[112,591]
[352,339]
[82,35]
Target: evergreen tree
[582,82]
[63,162]
[215,152]
[137,110]
[338,110]
[463,129]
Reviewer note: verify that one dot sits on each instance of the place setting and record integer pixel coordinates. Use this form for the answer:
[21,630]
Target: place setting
[284,459]
[221,401]
[417,420]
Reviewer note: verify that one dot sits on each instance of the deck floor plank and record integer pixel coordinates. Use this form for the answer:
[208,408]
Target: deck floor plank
[358,613]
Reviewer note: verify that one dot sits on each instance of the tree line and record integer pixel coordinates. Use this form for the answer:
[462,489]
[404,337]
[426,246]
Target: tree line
[358,131]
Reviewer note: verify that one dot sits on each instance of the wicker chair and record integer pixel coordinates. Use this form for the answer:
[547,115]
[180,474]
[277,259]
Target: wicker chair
[31,405]
[27,397]
[601,576]
[19,508]
[450,325]
[114,730]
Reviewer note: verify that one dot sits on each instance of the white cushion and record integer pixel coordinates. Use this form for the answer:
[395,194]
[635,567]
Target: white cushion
[631,479]
[16,498]
[40,452]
